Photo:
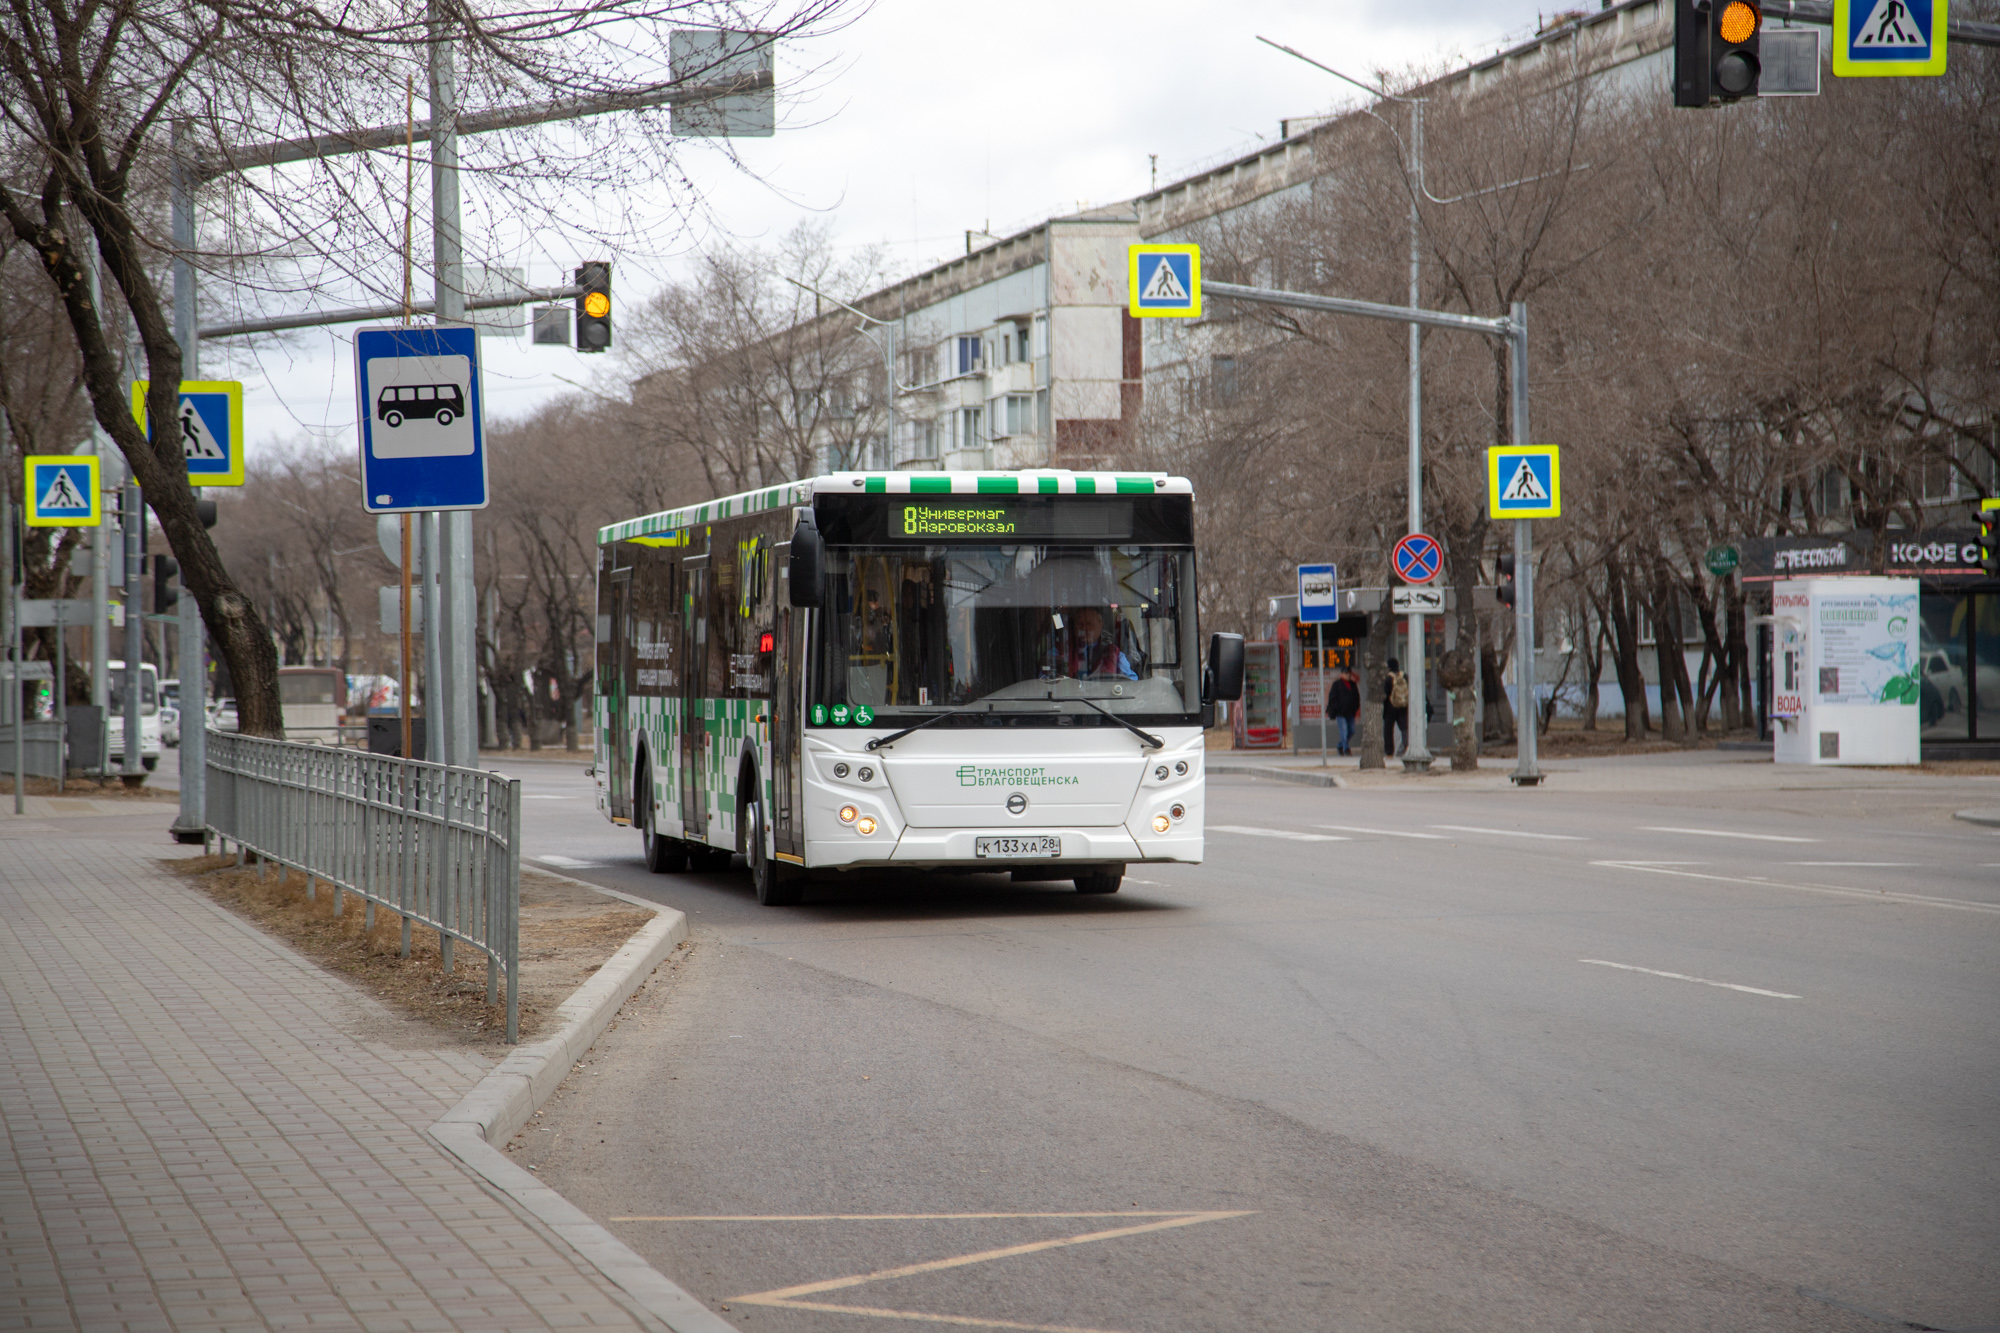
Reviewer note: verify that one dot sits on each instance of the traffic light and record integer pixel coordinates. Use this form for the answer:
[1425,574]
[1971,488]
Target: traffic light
[1505,591]
[165,594]
[593,306]
[1989,541]
[1716,55]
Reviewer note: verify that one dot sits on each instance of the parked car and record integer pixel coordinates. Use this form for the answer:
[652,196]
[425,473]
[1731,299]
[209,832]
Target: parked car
[222,715]
[170,726]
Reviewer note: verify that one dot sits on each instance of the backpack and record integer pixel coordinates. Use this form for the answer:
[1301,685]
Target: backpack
[1399,690]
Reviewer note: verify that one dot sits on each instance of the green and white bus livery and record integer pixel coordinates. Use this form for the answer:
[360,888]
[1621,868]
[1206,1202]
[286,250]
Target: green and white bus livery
[910,670]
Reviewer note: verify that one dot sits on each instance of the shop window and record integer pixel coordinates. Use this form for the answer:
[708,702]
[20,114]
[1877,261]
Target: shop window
[1986,666]
[1944,693]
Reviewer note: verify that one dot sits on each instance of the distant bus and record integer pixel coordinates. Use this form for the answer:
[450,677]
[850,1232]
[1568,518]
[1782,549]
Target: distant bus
[313,698]
[442,403]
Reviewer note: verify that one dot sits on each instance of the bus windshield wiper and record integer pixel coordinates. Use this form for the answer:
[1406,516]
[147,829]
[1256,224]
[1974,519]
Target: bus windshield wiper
[895,736]
[1152,741]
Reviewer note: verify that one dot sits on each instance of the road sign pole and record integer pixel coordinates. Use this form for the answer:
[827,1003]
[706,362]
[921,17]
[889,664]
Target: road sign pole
[1319,651]
[1527,773]
[450,708]
[192,824]
[1417,755]
[434,685]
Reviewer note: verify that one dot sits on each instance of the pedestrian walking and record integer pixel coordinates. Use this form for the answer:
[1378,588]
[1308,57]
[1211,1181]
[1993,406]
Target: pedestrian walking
[1395,708]
[1343,705]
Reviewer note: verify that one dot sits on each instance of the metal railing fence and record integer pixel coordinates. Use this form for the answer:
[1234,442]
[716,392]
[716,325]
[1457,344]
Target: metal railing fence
[439,846]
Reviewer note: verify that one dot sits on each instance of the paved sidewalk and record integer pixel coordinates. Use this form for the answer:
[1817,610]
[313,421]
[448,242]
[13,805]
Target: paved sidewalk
[206,1131]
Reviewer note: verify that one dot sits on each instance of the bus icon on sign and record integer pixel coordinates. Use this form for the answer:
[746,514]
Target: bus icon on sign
[442,403]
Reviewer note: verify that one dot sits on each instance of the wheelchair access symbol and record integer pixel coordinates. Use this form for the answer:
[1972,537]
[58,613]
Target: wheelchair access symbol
[1418,558]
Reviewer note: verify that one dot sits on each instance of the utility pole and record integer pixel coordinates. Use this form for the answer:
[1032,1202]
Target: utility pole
[1417,752]
[1528,723]
[192,824]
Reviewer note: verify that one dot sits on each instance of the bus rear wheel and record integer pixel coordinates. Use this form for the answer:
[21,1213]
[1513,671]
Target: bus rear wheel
[1104,879]
[664,856]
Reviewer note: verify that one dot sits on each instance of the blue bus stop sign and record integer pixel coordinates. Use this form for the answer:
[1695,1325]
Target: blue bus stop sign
[423,442]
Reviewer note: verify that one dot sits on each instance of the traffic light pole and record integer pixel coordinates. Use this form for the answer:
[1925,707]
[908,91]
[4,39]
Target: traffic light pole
[1513,328]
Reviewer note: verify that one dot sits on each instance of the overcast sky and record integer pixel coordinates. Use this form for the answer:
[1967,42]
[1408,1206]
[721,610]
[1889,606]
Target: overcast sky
[924,119]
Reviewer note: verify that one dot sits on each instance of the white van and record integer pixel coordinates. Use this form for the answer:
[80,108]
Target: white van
[149,715]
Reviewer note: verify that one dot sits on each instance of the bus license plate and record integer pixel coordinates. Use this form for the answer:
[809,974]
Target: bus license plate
[1046,846]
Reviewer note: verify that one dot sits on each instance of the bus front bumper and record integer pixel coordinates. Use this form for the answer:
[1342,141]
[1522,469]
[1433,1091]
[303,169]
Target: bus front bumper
[959,848]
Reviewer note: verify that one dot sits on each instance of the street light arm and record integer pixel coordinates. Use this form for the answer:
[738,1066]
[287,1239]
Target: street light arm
[1370,89]
[1493,189]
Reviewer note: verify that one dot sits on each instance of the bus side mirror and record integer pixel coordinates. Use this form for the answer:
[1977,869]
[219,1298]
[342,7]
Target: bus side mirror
[807,571]
[1225,668]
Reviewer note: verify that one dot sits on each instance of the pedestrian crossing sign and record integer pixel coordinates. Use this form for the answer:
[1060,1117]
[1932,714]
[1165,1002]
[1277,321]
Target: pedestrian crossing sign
[1524,481]
[210,426]
[1164,281]
[1883,38]
[62,491]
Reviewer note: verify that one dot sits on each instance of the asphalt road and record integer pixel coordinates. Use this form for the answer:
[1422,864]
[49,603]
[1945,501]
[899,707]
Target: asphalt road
[1604,1055]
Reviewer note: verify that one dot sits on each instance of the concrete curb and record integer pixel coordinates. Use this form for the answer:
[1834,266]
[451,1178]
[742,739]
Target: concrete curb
[1277,774]
[1990,818]
[502,1102]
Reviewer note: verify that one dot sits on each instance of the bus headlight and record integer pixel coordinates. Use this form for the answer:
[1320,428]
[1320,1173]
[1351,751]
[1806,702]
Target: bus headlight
[866,826]
[848,814]
[1161,823]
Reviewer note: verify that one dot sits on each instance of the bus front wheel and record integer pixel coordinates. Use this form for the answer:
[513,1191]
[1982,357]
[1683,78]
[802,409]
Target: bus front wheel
[777,885]
[1104,879]
[392,419]
[444,416]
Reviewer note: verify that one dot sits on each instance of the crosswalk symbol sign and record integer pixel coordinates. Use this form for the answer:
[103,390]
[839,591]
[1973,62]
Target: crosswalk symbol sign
[1164,281]
[1524,481]
[1878,38]
[62,491]
[210,426]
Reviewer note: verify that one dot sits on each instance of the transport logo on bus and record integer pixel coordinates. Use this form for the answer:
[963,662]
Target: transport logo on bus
[980,775]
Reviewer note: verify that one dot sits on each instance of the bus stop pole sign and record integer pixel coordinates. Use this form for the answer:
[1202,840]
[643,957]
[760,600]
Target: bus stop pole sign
[419,402]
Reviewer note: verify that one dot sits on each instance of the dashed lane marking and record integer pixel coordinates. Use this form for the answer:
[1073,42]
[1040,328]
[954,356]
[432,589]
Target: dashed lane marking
[791,1298]
[565,862]
[1253,832]
[1725,833]
[1869,865]
[1511,833]
[1831,890]
[1384,832]
[1682,976]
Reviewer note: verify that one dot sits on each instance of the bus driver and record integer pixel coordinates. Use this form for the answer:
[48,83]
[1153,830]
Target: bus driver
[1090,651]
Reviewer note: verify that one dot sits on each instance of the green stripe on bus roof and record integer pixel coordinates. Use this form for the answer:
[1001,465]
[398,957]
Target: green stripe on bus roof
[1128,485]
[1086,485]
[931,485]
[1048,485]
[876,485]
[999,485]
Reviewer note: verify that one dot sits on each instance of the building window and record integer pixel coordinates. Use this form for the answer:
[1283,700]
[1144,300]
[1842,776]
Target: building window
[1020,411]
[968,354]
[923,439]
[969,428]
[1223,382]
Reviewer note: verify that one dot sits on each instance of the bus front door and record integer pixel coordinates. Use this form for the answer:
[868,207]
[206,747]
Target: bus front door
[620,721]
[694,701]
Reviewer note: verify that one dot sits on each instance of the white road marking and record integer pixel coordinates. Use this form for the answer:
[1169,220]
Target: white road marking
[1511,833]
[1682,976]
[565,862]
[1724,833]
[1880,865]
[1276,833]
[542,796]
[1873,895]
[1382,832]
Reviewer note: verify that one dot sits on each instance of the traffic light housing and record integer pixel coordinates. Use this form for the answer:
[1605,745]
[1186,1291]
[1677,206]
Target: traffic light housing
[165,593]
[1716,51]
[1504,591]
[593,306]
[1989,541]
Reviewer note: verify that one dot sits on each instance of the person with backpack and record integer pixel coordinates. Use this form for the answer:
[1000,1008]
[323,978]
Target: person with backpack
[1395,708]
[1343,705]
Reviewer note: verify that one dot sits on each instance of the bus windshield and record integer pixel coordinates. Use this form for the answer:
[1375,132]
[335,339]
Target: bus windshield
[928,627]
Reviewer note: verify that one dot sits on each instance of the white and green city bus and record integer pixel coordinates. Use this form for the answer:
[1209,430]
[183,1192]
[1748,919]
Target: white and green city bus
[913,670]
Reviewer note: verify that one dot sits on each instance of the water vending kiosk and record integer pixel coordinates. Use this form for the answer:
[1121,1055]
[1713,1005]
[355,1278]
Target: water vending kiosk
[1844,684]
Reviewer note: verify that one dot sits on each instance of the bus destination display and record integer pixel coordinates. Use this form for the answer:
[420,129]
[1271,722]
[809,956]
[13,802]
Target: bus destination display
[1005,518]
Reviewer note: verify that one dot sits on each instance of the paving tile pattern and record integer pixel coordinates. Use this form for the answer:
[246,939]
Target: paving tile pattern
[196,1138]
